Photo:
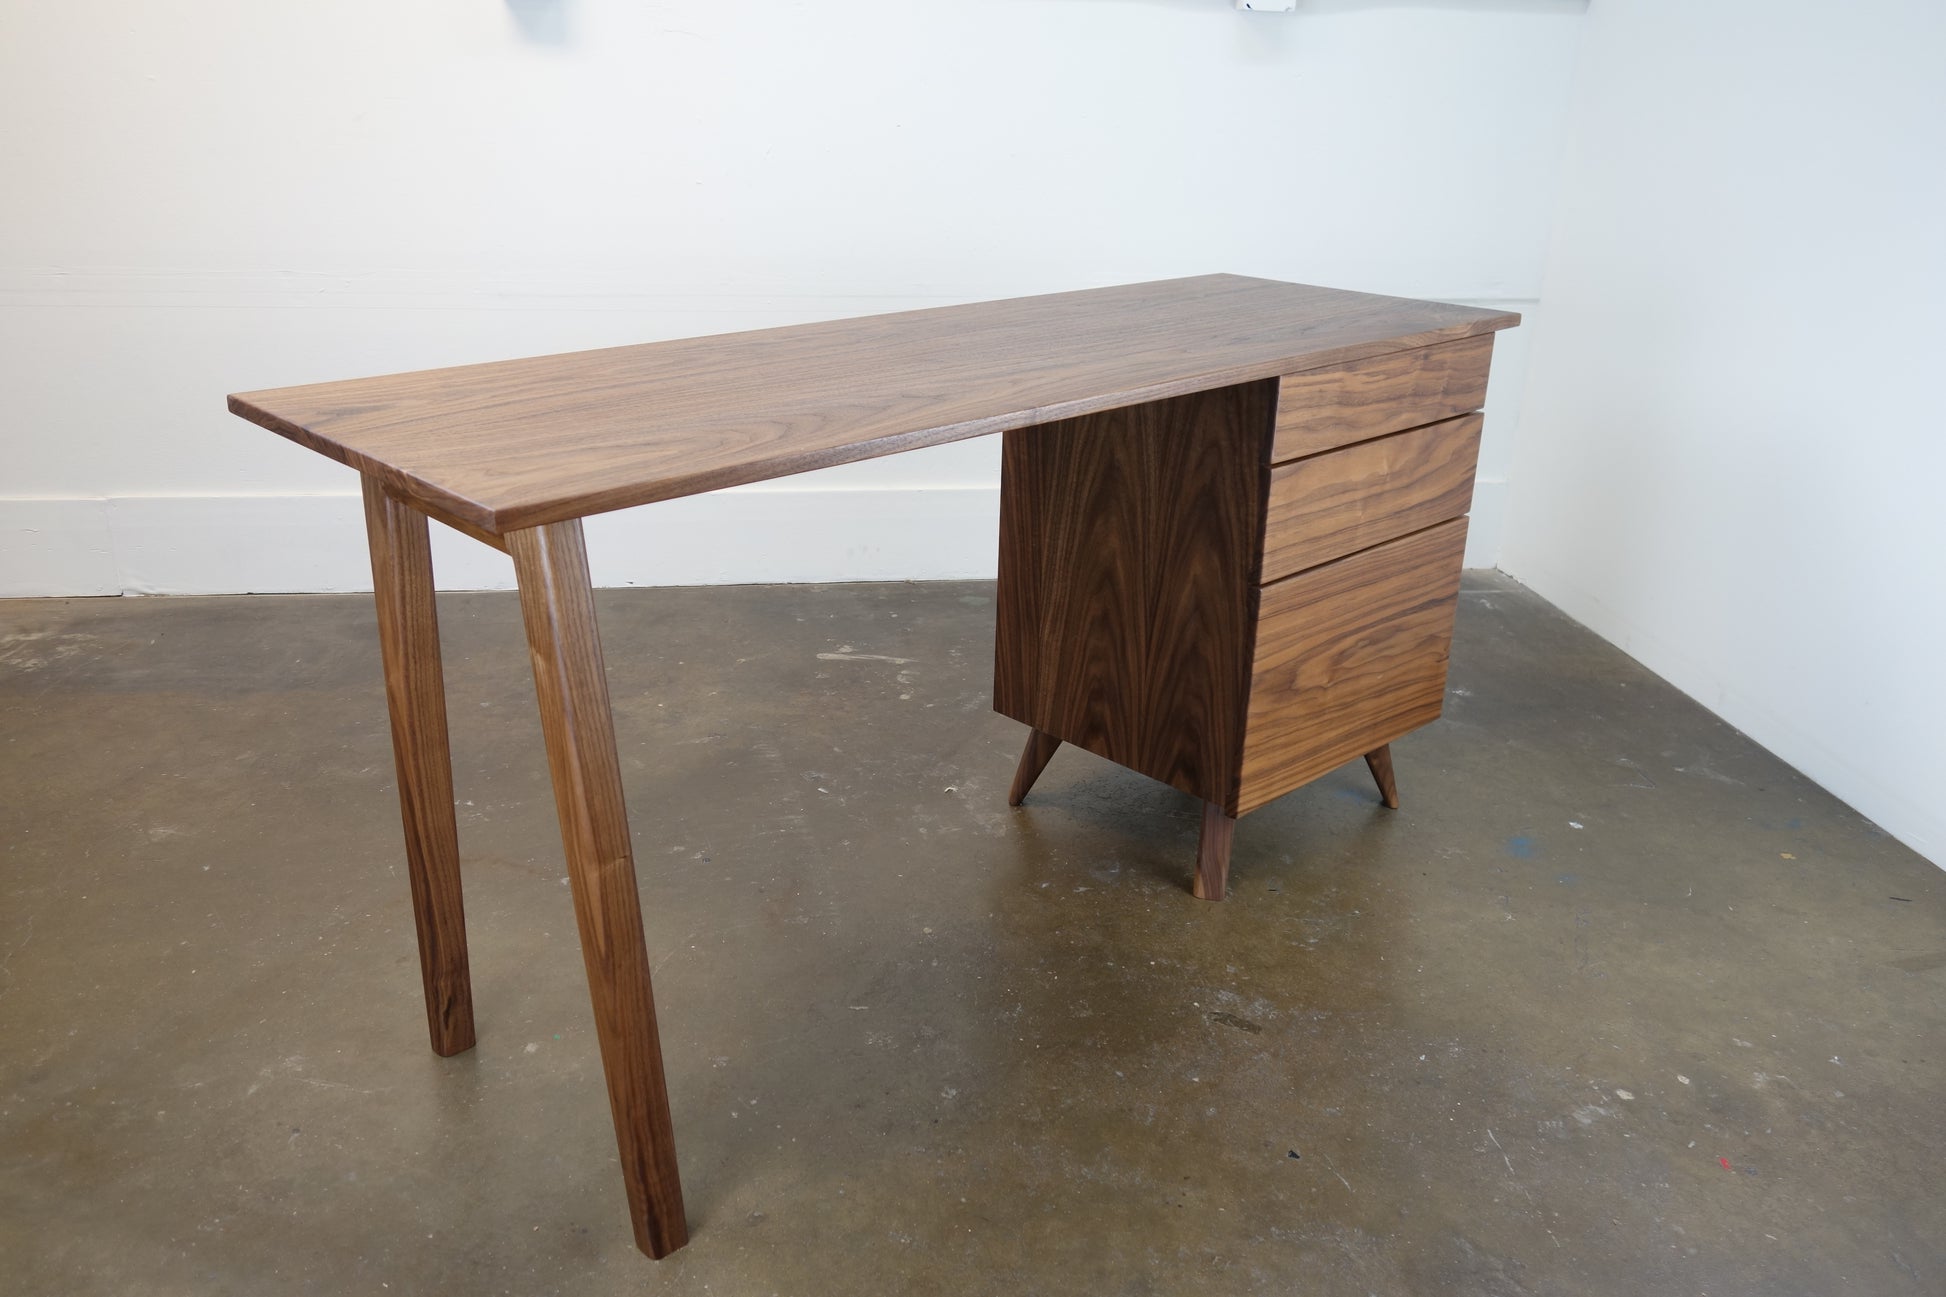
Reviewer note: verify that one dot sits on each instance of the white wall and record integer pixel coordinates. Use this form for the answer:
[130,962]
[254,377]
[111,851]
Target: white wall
[1732,458]
[229,195]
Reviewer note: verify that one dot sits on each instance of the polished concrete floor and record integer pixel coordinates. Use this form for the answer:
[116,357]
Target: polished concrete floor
[1617,1003]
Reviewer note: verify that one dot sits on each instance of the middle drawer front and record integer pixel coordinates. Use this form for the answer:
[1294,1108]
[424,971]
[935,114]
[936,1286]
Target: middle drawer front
[1342,501]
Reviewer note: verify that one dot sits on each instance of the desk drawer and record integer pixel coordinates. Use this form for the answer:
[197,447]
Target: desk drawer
[1328,408]
[1343,501]
[1349,656]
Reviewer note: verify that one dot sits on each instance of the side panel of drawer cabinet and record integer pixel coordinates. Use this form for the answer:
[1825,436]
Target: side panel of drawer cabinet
[1335,504]
[1328,408]
[1349,656]
[1128,581]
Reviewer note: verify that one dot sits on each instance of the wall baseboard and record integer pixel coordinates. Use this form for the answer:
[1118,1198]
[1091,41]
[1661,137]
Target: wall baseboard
[315,543]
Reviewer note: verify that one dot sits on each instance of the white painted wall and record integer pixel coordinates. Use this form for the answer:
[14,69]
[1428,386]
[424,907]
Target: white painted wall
[1732,457]
[208,198]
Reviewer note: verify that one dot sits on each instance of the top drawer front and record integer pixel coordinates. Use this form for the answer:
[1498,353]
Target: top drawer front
[1327,408]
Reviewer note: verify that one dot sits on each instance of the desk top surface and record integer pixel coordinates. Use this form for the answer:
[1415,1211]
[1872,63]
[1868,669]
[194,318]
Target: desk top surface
[519,443]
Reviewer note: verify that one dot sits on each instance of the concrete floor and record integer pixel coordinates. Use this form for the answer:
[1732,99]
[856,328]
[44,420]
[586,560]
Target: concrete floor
[1616,1004]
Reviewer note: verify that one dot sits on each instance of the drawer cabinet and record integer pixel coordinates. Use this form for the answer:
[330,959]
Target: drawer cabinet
[1237,590]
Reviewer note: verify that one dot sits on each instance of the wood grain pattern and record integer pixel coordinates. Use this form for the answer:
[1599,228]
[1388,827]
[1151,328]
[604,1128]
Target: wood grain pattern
[1350,656]
[524,442]
[1128,573]
[1346,500]
[1033,759]
[1327,408]
[415,695]
[1379,762]
[557,605]
[1212,880]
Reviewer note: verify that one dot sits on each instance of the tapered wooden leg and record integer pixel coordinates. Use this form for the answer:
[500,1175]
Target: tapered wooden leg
[558,607]
[1380,761]
[1033,760]
[1213,854]
[415,692]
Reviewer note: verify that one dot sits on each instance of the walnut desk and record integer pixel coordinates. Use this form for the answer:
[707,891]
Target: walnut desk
[1232,514]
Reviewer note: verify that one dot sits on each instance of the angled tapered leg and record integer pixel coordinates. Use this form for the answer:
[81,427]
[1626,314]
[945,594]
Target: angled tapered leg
[558,607]
[1213,854]
[415,692]
[1033,759]
[1380,761]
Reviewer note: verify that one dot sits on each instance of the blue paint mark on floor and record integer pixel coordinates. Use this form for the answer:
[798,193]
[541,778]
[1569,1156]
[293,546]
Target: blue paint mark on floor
[1521,847]
[1567,880]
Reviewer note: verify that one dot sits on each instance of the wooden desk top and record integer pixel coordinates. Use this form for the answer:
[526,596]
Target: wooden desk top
[519,443]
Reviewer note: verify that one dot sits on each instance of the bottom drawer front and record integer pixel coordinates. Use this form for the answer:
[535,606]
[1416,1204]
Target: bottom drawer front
[1349,656]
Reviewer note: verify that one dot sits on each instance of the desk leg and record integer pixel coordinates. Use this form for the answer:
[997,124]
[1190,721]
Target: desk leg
[1033,759]
[1213,854]
[1379,760]
[415,692]
[557,603]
